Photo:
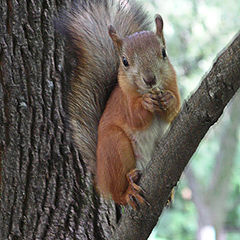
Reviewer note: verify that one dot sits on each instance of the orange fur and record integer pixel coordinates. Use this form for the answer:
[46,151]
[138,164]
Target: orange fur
[130,123]
[172,111]
[123,114]
[115,156]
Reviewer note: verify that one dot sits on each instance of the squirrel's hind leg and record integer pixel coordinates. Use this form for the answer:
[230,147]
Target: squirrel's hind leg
[116,168]
[115,158]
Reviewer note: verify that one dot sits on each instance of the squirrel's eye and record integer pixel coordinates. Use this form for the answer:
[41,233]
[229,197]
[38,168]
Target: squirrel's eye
[125,62]
[164,54]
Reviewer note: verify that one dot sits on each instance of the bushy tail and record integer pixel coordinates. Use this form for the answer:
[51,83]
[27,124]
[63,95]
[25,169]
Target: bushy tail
[86,28]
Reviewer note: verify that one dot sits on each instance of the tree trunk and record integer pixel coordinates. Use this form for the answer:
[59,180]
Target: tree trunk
[47,193]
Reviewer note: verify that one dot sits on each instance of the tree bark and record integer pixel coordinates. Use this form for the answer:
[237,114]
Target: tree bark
[175,149]
[47,193]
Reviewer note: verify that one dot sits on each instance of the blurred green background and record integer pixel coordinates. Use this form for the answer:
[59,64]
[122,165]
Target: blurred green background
[207,199]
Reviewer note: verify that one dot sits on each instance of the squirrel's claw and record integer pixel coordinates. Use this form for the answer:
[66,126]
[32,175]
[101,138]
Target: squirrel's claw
[132,195]
[150,102]
[165,100]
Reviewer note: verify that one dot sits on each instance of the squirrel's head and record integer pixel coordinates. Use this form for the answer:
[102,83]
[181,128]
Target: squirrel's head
[143,59]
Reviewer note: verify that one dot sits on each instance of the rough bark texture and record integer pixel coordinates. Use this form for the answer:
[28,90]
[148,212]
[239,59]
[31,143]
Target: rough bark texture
[46,191]
[176,148]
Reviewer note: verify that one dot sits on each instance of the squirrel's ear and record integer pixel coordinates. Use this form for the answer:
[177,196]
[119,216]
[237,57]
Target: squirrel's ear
[159,27]
[117,41]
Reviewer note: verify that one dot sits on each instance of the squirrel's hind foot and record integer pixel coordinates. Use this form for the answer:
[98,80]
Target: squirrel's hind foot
[133,195]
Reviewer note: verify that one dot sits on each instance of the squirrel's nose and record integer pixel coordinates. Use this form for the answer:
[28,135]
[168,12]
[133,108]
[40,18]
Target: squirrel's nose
[150,80]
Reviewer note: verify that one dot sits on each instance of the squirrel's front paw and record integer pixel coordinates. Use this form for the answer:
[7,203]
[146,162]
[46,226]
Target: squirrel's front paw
[158,100]
[165,99]
[151,101]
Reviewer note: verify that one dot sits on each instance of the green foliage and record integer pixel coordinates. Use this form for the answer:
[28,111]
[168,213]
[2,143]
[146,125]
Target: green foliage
[172,224]
[196,31]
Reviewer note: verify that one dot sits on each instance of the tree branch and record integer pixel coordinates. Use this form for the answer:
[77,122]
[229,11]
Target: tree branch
[174,150]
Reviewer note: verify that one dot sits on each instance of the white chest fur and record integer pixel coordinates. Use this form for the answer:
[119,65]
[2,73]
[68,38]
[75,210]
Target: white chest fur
[144,141]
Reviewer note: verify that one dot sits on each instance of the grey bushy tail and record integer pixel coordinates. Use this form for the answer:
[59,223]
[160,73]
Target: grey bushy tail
[85,27]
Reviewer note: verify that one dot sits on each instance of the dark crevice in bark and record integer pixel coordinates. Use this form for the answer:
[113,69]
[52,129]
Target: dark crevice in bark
[47,225]
[12,212]
[96,224]
[26,192]
[9,14]
[118,213]
[36,226]
[6,114]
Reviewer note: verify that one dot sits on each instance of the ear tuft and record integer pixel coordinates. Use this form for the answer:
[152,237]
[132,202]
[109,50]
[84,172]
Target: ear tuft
[159,25]
[117,41]
[111,30]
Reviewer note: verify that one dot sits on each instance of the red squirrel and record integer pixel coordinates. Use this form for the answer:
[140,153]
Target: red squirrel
[137,113]
[141,106]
